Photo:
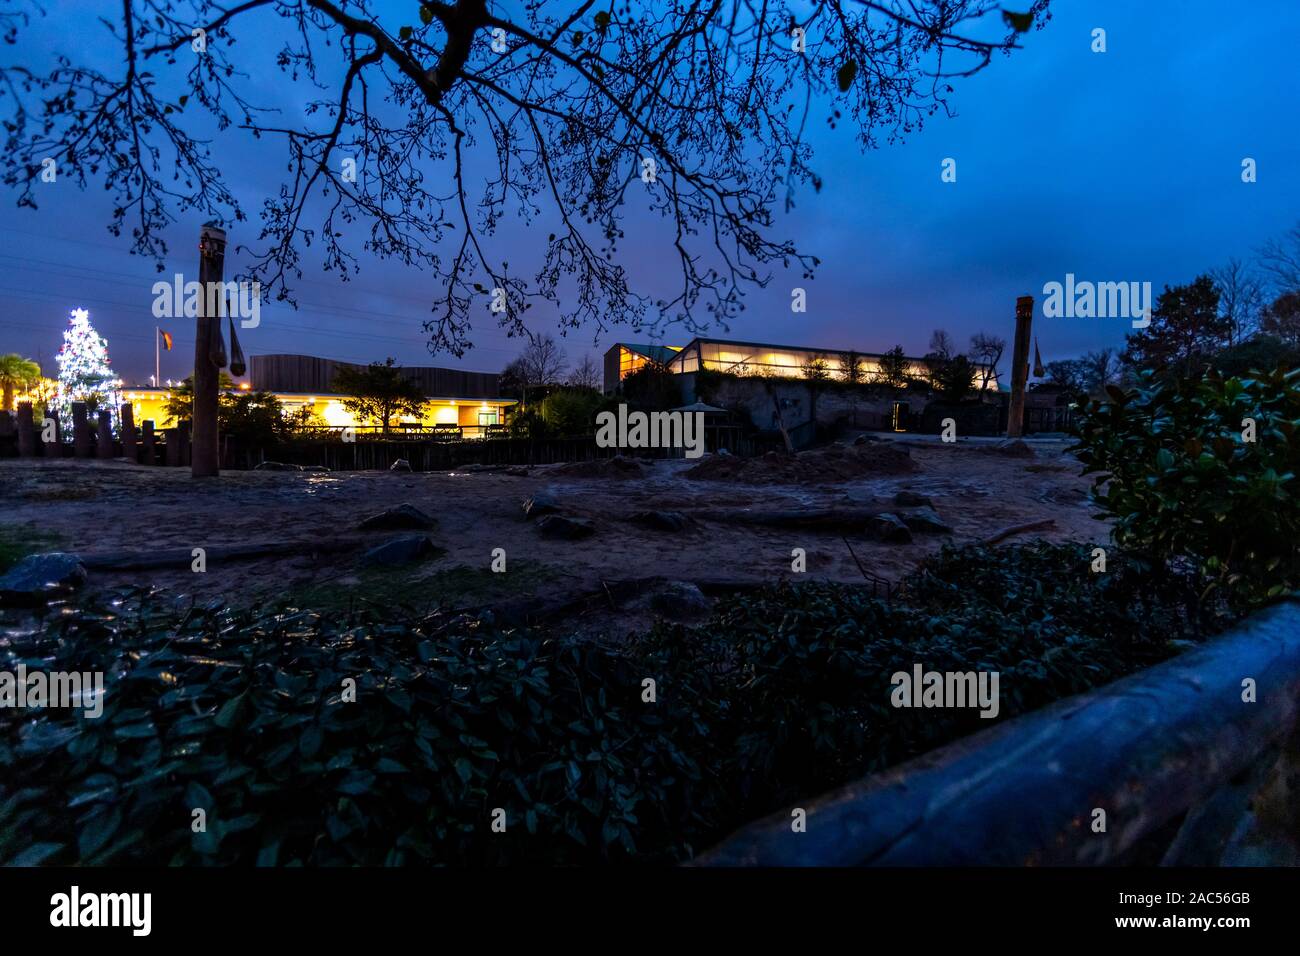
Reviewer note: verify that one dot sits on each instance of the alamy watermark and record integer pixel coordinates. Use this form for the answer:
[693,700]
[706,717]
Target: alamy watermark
[1098,300]
[922,688]
[242,300]
[651,430]
[21,688]
[133,911]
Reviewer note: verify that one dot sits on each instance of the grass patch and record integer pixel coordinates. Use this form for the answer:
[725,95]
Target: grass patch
[417,590]
[18,541]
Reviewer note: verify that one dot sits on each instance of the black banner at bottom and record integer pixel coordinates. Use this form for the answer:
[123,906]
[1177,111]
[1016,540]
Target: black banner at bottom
[332,906]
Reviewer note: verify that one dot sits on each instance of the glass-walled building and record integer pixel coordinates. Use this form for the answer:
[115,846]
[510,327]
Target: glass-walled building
[624,358]
[753,358]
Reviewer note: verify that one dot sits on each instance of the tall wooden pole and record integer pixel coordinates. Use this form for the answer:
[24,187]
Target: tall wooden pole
[1020,366]
[204,457]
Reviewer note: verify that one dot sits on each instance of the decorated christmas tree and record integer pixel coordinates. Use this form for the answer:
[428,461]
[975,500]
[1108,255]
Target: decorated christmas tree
[84,372]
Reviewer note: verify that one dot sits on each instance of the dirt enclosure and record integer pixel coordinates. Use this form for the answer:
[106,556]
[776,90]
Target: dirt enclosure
[737,521]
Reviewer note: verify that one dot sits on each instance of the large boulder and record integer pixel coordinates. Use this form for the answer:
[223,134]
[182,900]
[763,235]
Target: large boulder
[405,517]
[400,465]
[403,549]
[888,528]
[40,576]
[679,600]
[1014,448]
[570,529]
[925,521]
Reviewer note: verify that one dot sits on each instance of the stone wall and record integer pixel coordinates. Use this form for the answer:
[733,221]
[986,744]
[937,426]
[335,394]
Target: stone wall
[836,404]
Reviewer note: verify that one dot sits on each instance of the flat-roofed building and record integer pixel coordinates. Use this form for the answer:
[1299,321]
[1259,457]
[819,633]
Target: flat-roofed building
[305,383]
[624,358]
[749,358]
[789,361]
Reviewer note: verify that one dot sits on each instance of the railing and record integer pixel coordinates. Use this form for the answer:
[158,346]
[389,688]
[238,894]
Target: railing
[1192,762]
[401,432]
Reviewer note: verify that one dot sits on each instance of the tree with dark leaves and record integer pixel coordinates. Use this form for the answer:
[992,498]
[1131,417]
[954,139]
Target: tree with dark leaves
[379,392]
[422,136]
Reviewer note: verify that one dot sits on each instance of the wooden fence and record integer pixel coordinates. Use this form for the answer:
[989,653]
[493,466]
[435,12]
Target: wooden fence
[435,448]
[1195,761]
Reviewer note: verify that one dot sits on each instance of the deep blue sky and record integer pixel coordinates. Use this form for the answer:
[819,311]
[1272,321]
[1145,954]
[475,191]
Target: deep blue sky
[1116,166]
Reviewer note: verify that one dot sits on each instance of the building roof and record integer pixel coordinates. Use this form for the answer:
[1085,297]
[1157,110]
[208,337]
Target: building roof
[658,353]
[310,375]
[790,348]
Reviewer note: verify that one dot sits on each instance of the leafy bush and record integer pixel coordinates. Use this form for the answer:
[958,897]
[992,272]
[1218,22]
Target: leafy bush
[652,387]
[1182,484]
[529,423]
[779,695]
[243,717]
[571,411]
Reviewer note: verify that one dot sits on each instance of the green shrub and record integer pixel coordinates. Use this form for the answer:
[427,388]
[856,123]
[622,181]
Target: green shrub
[1182,484]
[529,423]
[242,716]
[779,696]
[571,411]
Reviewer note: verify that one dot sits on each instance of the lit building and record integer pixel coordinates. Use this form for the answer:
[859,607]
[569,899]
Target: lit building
[303,384]
[745,358]
[624,358]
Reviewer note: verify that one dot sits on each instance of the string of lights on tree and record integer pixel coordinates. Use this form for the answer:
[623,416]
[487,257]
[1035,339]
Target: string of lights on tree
[85,373]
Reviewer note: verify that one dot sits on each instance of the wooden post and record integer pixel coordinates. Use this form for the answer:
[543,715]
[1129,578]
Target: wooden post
[173,450]
[129,445]
[183,445]
[1020,366]
[80,430]
[105,446]
[205,451]
[150,446]
[26,431]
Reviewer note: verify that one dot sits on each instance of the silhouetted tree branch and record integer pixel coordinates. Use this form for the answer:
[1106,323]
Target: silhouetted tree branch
[422,137]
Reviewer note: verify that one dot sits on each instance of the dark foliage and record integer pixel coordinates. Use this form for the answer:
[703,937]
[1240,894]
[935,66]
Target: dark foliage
[1177,473]
[778,696]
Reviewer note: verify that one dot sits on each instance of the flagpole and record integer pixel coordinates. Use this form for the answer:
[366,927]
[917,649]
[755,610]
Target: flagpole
[157,367]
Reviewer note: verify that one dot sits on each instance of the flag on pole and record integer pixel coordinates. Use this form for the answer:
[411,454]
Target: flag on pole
[166,339]
[1038,360]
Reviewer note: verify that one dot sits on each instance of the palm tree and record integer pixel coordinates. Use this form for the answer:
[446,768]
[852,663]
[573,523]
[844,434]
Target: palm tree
[16,372]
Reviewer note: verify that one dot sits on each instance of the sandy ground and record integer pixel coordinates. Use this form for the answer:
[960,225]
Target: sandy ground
[86,506]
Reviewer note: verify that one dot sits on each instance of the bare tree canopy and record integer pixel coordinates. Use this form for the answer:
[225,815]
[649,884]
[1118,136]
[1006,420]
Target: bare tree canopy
[1280,258]
[986,352]
[586,374]
[1241,298]
[423,136]
[942,346]
[541,362]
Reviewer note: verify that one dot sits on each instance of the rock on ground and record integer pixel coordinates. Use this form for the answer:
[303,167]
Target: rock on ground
[39,576]
[925,521]
[404,549]
[558,526]
[889,528]
[403,517]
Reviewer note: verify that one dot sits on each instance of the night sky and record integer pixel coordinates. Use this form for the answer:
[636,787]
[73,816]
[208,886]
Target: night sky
[1117,166]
